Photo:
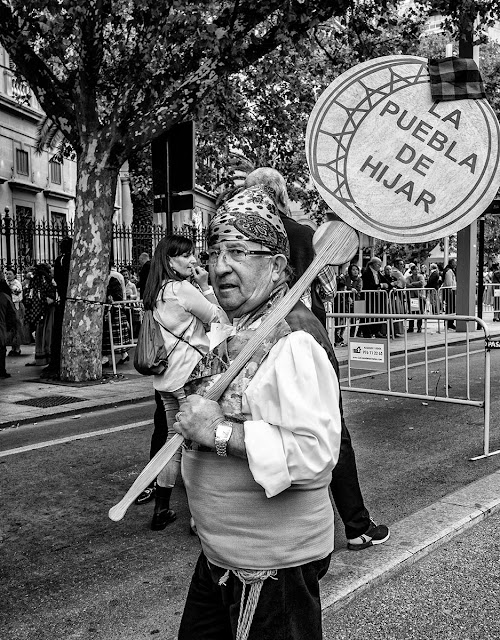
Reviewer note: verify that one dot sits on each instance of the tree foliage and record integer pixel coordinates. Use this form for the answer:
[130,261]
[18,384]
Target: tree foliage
[112,75]
[261,114]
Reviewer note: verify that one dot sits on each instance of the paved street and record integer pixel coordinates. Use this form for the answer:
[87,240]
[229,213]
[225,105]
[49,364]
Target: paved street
[69,572]
[452,594]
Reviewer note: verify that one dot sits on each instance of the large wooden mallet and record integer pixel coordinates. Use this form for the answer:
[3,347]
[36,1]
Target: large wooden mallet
[334,243]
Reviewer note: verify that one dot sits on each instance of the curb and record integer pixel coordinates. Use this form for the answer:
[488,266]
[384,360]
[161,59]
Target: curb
[353,573]
[69,410]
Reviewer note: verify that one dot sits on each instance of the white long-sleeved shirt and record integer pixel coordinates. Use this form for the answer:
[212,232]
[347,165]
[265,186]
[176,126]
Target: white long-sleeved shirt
[293,399]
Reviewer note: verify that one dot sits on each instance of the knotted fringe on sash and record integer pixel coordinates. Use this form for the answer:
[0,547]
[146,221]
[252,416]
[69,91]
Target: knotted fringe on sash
[247,609]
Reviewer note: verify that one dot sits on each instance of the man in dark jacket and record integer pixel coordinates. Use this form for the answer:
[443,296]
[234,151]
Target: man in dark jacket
[61,278]
[361,531]
[8,320]
[145,265]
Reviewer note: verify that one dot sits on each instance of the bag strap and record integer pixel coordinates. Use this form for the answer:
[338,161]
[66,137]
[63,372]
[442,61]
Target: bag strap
[179,338]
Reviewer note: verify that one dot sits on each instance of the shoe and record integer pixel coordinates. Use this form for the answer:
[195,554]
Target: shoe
[380,335]
[341,344]
[163,514]
[123,360]
[5,375]
[375,534]
[452,327]
[31,364]
[14,352]
[398,335]
[146,496]
[409,331]
[162,518]
[419,330]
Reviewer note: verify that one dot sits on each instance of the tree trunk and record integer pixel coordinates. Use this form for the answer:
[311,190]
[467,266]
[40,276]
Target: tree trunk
[83,316]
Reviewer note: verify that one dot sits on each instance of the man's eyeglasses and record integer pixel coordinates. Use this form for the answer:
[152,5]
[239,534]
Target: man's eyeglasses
[236,254]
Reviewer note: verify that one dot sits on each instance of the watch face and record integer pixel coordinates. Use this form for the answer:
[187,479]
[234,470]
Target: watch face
[223,432]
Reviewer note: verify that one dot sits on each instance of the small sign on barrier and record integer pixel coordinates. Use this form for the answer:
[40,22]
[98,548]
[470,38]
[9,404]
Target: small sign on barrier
[366,353]
[414,304]
[492,344]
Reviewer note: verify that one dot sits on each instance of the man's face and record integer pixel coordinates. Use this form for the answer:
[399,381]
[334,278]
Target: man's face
[400,265]
[241,287]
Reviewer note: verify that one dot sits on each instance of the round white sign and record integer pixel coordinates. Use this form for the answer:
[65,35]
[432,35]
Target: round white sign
[393,163]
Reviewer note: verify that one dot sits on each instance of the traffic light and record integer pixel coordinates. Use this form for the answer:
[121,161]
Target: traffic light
[173,162]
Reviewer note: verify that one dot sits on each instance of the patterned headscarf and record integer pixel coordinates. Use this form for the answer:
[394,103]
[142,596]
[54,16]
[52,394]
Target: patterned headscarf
[250,215]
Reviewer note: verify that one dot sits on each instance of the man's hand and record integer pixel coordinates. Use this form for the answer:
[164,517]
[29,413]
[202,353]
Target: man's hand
[195,419]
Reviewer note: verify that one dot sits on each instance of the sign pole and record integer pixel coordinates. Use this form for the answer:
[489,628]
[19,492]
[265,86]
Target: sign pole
[467,237]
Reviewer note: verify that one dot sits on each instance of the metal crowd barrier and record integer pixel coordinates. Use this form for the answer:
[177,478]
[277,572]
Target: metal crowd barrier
[127,317]
[426,301]
[403,369]
[491,297]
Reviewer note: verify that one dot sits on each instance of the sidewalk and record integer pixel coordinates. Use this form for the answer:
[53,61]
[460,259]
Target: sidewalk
[352,573]
[25,398]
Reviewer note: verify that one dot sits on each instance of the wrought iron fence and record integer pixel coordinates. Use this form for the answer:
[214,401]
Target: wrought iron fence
[24,243]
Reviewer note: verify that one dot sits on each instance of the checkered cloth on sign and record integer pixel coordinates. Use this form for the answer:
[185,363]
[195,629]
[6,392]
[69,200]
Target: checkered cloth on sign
[455,79]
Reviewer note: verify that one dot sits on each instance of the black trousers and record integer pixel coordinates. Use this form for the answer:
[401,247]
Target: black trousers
[55,345]
[344,486]
[3,352]
[289,607]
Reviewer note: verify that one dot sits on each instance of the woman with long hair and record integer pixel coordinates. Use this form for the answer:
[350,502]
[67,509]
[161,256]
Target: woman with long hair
[182,310]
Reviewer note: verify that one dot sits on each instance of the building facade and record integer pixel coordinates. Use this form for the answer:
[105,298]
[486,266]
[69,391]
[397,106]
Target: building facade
[37,193]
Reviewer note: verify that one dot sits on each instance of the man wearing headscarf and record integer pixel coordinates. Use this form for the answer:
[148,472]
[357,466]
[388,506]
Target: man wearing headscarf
[260,463]
[361,532]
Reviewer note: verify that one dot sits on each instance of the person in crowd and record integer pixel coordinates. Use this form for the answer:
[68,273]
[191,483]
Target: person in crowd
[119,332]
[301,245]
[41,296]
[415,280]
[182,311]
[8,322]
[424,272]
[373,282]
[131,293]
[16,289]
[130,288]
[350,283]
[449,290]
[488,289]
[386,275]
[361,532]
[29,327]
[61,278]
[434,282]
[398,294]
[144,267]
[495,279]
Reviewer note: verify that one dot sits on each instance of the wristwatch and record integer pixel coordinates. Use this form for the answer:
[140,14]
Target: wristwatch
[223,432]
